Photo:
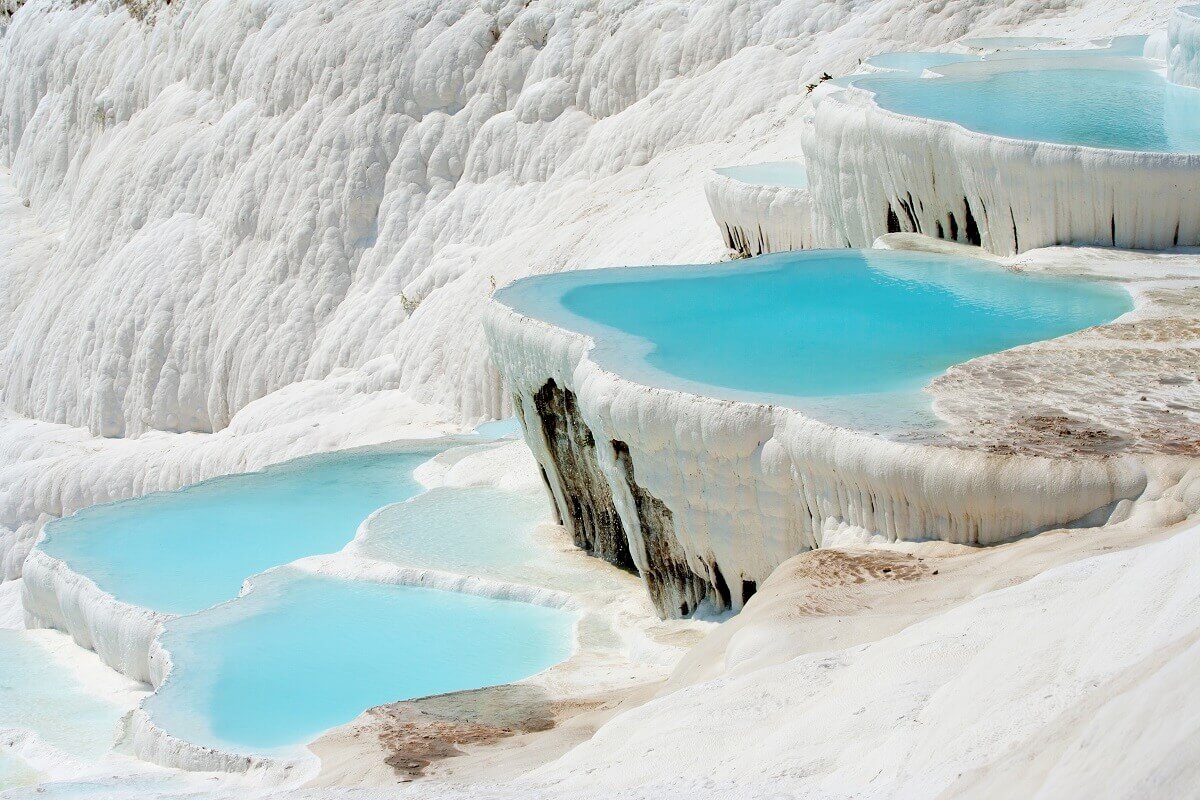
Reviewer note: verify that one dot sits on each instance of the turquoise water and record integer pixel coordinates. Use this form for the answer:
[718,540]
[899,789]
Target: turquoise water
[1049,46]
[869,328]
[787,174]
[473,530]
[500,429]
[180,552]
[1008,42]
[1133,108]
[301,654]
[39,694]
[917,62]
[1009,48]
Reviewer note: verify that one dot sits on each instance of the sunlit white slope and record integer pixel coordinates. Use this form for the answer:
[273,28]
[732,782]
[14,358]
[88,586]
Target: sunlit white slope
[1073,684]
[246,194]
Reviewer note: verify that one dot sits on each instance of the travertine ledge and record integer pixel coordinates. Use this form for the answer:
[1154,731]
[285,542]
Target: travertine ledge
[918,175]
[757,219]
[1183,41]
[711,495]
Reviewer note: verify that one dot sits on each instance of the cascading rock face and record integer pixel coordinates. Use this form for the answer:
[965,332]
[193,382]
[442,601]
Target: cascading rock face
[707,496]
[669,579]
[1183,38]
[581,494]
[240,196]
[755,219]
[874,171]
[584,494]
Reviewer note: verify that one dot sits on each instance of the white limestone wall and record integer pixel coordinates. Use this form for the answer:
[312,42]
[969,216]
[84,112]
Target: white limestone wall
[752,485]
[55,596]
[756,219]
[864,160]
[1183,41]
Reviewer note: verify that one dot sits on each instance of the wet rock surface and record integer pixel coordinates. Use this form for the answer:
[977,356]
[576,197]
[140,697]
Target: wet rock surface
[1126,387]
[418,733]
[576,480]
[674,588]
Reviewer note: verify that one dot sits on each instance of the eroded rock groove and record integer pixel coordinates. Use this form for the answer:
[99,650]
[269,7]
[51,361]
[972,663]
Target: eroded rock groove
[590,513]
[674,588]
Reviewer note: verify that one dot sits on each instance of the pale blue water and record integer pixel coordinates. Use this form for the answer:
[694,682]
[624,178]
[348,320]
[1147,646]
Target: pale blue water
[39,694]
[869,328]
[788,174]
[500,429]
[1128,47]
[918,62]
[1008,48]
[180,552]
[1007,42]
[472,530]
[302,654]
[1132,108]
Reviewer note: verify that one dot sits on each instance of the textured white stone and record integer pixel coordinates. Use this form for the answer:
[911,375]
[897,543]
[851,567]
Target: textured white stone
[750,485]
[1183,46]
[55,596]
[756,219]
[863,159]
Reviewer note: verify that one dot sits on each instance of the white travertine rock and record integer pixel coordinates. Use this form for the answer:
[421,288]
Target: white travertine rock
[755,219]
[55,596]
[1183,46]
[243,196]
[747,486]
[873,171]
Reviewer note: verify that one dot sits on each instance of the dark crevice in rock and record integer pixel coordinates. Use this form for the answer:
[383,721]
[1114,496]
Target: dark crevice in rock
[910,208]
[893,221]
[1016,239]
[718,582]
[591,516]
[972,226]
[558,519]
[673,587]
[749,588]
[953,226]
[941,233]
[737,240]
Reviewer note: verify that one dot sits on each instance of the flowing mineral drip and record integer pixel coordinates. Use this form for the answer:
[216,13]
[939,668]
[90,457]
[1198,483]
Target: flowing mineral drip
[581,494]
[673,586]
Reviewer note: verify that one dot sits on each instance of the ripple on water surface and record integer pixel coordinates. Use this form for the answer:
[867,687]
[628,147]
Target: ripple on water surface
[470,530]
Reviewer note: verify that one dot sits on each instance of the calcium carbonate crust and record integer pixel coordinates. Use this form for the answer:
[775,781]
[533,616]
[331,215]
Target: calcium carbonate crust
[1183,43]
[712,495]
[55,596]
[873,171]
[756,219]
